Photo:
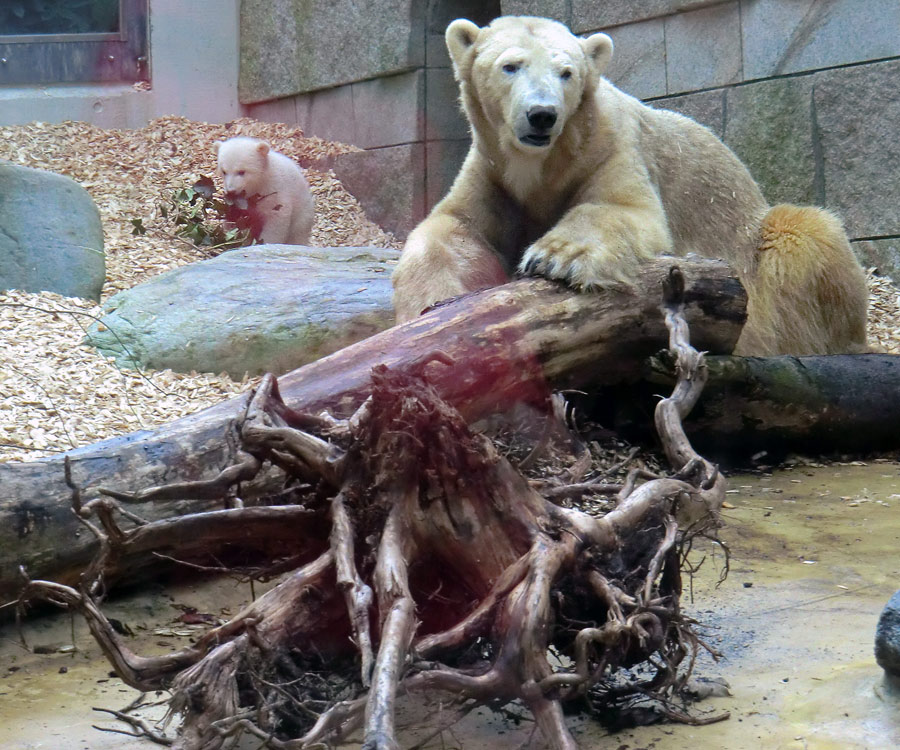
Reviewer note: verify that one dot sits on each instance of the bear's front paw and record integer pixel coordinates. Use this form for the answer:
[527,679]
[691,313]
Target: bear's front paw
[579,263]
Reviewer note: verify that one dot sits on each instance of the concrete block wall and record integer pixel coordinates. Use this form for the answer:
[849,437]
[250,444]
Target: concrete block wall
[374,75]
[804,91]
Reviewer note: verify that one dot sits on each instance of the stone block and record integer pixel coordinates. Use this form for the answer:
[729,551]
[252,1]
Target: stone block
[328,114]
[277,110]
[703,48]
[482,12]
[785,37]
[706,107]
[638,64]
[590,15]
[883,255]
[388,111]
[857,110]
[769,127]
[389,184]
[443,159]
[445,118]
[436,55]
[558,10]
[269,44]
[297,46]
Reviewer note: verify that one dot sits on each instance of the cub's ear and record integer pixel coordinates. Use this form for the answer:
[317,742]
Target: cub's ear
[460,36]
[217,145]
[599,50]
[262,148]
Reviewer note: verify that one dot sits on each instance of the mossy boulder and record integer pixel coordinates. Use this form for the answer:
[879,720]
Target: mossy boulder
[264,308]
[51,239]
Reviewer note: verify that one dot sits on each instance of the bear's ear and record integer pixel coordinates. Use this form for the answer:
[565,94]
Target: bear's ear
[460,36]
[599,49]
[217,145]
[262,148]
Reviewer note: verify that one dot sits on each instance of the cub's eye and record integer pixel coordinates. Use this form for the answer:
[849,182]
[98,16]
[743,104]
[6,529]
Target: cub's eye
[566,75]
[510,68]
[241,173]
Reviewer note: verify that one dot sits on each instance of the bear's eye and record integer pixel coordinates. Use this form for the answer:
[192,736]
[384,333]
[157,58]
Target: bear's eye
[241,173]
[510,68]
[566,75]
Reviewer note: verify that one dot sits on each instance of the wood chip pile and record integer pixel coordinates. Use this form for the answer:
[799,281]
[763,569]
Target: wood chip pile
[55,392]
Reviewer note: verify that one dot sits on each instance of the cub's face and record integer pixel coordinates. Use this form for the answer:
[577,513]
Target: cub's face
[242,166]
[525,77]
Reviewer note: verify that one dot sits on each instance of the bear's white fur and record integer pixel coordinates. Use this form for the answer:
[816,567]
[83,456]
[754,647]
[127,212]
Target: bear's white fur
[573,179]
[249,167]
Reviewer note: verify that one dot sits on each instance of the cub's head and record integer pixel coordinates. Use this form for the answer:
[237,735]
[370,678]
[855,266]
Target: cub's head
[242,165]
[523,78]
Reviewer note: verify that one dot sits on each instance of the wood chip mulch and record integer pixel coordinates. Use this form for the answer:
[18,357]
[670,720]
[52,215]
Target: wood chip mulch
[56,393]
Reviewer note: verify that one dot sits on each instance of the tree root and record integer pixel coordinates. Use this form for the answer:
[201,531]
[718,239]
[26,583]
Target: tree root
[443,570]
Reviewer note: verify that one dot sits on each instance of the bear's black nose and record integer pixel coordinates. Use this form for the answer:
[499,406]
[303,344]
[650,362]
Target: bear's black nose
[541,118]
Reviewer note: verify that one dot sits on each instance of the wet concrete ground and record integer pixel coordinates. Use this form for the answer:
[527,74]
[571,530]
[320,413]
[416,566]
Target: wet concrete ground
[815,556]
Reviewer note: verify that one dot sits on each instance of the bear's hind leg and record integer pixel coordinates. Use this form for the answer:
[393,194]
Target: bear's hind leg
[808,294]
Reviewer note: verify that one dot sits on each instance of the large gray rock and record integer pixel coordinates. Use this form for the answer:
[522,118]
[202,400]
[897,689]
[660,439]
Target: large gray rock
[51,238]
[887,637]
[265,308]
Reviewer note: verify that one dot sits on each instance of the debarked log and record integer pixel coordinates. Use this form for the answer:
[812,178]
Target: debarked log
[511,344]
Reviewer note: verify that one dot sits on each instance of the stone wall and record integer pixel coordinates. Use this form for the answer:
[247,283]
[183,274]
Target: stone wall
[804,91]
[375,75]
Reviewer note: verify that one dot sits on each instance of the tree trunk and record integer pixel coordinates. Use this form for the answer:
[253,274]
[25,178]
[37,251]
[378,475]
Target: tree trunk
[809,405]
[507,345]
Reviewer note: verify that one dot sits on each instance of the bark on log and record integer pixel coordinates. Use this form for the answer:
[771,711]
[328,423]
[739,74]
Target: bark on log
[810,405]
[510,344]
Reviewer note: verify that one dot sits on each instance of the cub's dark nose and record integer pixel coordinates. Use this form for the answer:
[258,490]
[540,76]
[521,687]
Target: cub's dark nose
[541,118]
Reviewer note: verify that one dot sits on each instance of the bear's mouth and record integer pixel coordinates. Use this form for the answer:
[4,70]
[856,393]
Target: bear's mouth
[535,139]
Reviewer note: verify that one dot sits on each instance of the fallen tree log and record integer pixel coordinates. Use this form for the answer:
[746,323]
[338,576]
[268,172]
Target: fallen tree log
[811,405]
[511,344]
[444,573]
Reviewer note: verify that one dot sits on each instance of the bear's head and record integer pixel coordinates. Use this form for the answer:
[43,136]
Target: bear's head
[242,165]
[522,79]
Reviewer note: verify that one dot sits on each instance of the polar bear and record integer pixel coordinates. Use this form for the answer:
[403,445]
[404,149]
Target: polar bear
[570,178]
[249,167]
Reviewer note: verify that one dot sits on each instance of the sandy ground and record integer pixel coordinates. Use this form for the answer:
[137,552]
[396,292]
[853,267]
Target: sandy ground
[813,563]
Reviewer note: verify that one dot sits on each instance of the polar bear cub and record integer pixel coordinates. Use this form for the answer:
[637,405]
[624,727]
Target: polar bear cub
[573,179]
[249,167]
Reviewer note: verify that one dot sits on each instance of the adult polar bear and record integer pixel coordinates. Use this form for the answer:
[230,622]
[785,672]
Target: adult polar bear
[570,178]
